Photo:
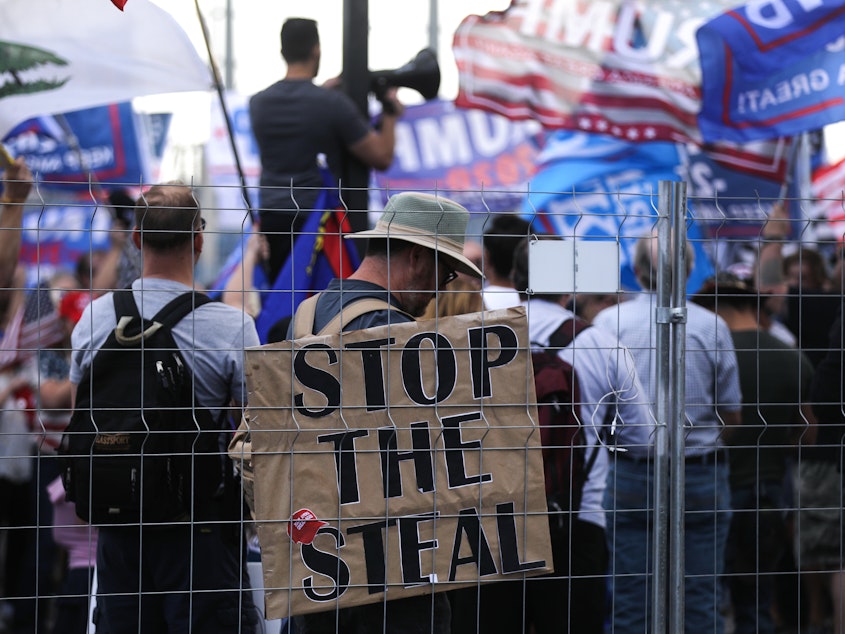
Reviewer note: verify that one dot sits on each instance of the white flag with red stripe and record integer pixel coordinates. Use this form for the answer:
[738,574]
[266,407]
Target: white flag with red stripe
[828,190]
[63,55]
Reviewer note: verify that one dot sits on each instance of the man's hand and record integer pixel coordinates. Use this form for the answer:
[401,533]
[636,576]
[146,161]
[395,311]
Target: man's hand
[334,82]
[257,248]
[777,227]
[17,182]
[390,104]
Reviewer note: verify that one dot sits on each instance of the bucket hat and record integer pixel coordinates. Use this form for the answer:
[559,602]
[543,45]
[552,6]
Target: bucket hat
[430,221]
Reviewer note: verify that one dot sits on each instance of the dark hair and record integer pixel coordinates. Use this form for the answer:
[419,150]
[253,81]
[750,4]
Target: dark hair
[299,37]
[167,215]
[814,261]
[727,289]
[83,270]
[382,247]
[123,205]
[505,232]
[519,271]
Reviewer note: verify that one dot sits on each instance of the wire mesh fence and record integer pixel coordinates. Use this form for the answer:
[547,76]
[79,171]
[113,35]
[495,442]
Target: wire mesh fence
[645,438]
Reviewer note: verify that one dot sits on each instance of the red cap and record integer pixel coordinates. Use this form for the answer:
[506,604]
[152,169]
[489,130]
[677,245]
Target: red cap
[303,526]
[73,303]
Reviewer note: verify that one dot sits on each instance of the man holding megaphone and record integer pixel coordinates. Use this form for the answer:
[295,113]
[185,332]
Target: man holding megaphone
[293,121]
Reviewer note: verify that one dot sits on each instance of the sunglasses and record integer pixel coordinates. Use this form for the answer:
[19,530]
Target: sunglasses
[451,276]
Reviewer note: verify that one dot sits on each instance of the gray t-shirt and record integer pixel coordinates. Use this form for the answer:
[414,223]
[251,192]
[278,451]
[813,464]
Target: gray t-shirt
[293,121]
[212,339]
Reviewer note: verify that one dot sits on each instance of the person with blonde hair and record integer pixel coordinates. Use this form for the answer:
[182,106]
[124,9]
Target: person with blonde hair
[463,296]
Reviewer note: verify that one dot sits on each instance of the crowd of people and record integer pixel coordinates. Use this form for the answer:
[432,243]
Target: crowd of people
[763,431]
[763,423]
[763,437]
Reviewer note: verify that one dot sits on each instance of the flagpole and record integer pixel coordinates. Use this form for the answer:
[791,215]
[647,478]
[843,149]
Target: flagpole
[218,84]
[789,170]
[73,144]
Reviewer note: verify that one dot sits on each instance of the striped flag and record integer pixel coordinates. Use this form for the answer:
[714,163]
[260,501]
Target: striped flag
[34,326]
[624,69]
[828,210]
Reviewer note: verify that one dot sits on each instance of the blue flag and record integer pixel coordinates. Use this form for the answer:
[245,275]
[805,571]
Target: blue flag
[772,69]
[107,143]
[592,186]
[319,255]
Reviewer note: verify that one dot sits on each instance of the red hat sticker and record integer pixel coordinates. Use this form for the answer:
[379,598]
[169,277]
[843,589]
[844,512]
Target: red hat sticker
[303,526]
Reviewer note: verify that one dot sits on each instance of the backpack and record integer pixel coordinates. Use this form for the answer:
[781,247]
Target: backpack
[565,465]
[137,448]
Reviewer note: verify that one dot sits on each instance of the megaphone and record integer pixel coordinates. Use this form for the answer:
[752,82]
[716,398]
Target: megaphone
[421,74]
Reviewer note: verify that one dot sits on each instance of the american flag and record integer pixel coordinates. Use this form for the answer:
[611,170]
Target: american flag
[619,68]
[828,212]
[34,326]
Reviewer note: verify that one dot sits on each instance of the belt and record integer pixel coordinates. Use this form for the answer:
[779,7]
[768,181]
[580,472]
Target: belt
[709,458]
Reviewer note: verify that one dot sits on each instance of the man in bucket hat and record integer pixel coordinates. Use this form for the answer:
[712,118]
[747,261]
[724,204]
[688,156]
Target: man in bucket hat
[415,250]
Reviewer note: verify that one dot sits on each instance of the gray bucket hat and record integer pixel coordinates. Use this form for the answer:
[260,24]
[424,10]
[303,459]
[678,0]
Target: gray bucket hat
[431,221]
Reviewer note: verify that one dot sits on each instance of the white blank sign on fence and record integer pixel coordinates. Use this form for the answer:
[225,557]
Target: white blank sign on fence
[569,266]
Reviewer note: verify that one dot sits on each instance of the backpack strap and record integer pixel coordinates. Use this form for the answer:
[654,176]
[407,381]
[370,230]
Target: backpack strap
[179,308]
[566,332]
[124,304]
[303,320]
[563,336]
[353,310]
[125,309]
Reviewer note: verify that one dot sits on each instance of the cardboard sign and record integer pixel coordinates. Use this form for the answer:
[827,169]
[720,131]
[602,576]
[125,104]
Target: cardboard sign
[396,461]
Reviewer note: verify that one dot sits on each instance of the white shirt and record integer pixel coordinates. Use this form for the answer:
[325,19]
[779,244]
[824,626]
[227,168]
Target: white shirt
[613,400]
[712,376]
[496,297]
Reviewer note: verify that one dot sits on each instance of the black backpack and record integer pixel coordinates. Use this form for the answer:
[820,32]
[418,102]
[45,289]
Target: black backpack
[565,465]
[138,449]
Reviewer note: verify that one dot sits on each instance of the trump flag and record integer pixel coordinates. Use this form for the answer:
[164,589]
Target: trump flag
[107,142]
[599,188]
[63,55]
[772,69]
[481,160]
[625,69]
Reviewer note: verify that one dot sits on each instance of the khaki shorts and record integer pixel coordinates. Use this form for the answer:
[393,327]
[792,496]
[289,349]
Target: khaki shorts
[819,543]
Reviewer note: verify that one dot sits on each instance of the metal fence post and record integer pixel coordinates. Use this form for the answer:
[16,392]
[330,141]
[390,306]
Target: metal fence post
[660,545]
[668,557]
[676,435]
